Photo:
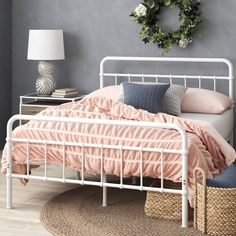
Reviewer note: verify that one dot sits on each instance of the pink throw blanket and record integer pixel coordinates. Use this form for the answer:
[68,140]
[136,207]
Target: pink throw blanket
[207,149]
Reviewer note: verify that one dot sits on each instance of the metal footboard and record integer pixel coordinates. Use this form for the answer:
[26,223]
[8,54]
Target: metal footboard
[103,180]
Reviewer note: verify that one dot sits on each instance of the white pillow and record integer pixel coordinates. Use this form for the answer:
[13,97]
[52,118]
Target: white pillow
[207,101]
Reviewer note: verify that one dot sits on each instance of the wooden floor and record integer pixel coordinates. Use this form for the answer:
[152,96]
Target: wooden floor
[27,201]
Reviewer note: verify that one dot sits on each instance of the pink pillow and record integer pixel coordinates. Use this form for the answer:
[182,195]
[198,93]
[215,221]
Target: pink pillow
[198,100]
[112,92]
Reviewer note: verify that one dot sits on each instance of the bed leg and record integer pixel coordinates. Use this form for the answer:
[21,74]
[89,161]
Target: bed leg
[184,211]
[184,179]
[104,191]
[9,192]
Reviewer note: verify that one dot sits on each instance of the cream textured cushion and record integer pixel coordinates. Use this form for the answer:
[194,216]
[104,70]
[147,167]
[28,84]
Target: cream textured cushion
[171,102]
[198,100]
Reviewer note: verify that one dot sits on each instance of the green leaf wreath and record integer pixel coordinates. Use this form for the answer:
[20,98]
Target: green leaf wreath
[147,15]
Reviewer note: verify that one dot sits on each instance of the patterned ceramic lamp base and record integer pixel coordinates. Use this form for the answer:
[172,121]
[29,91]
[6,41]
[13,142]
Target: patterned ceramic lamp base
[45,84]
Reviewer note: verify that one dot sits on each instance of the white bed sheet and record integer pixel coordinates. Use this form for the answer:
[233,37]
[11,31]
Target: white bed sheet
[223,123]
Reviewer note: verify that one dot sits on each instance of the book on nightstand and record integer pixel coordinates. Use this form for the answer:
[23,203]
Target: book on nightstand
[65,93]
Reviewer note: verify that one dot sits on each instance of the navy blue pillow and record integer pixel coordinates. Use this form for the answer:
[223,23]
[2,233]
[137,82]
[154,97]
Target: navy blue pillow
[227,179]
[144,96]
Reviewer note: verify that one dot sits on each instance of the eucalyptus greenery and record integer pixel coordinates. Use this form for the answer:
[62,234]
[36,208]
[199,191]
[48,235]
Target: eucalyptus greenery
[147,15]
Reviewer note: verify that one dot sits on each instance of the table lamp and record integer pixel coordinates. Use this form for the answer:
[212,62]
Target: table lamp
[45,46]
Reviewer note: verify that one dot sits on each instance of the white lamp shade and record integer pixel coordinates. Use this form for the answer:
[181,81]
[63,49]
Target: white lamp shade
[46,45]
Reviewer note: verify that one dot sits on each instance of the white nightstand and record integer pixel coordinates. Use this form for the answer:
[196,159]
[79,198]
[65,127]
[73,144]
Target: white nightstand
[32,104]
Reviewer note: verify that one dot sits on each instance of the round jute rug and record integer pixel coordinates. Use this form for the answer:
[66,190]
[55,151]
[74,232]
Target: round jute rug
[79,212]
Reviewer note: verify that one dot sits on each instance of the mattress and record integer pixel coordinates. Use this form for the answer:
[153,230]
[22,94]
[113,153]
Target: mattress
[223,123]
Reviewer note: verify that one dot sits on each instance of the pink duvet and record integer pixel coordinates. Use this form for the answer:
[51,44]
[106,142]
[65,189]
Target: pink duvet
[206,147]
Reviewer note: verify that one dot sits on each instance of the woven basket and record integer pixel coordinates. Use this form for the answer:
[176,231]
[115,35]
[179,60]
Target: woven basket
[214,208]
[166,206]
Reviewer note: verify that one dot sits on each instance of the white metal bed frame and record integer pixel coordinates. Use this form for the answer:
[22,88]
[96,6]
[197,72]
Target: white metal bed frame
[103,180]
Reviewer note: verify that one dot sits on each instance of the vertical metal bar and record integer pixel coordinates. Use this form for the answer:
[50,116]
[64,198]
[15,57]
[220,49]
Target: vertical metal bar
[9,170]
[157,79]
[231,90]
[82,163]
[103,180]
[171,79]
[184,180]
[102,72]
[129,78]
[162,176]
[64,162]
[200,81]
[45,160]
[121,167]
[141,169]
[185,80]
[101,165]
[231,77]
[104,190]
[214,83]
[20,109]
[116,79]
[143,78]
[27,158]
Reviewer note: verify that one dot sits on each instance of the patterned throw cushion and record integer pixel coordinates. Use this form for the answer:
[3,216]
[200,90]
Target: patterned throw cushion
[144,96]
[171,102]
[225,180]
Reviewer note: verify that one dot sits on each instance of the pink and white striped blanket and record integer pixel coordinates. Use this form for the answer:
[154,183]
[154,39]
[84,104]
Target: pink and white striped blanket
[207,149]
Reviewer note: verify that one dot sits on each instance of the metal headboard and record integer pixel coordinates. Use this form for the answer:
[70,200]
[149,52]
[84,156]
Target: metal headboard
[156,77]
